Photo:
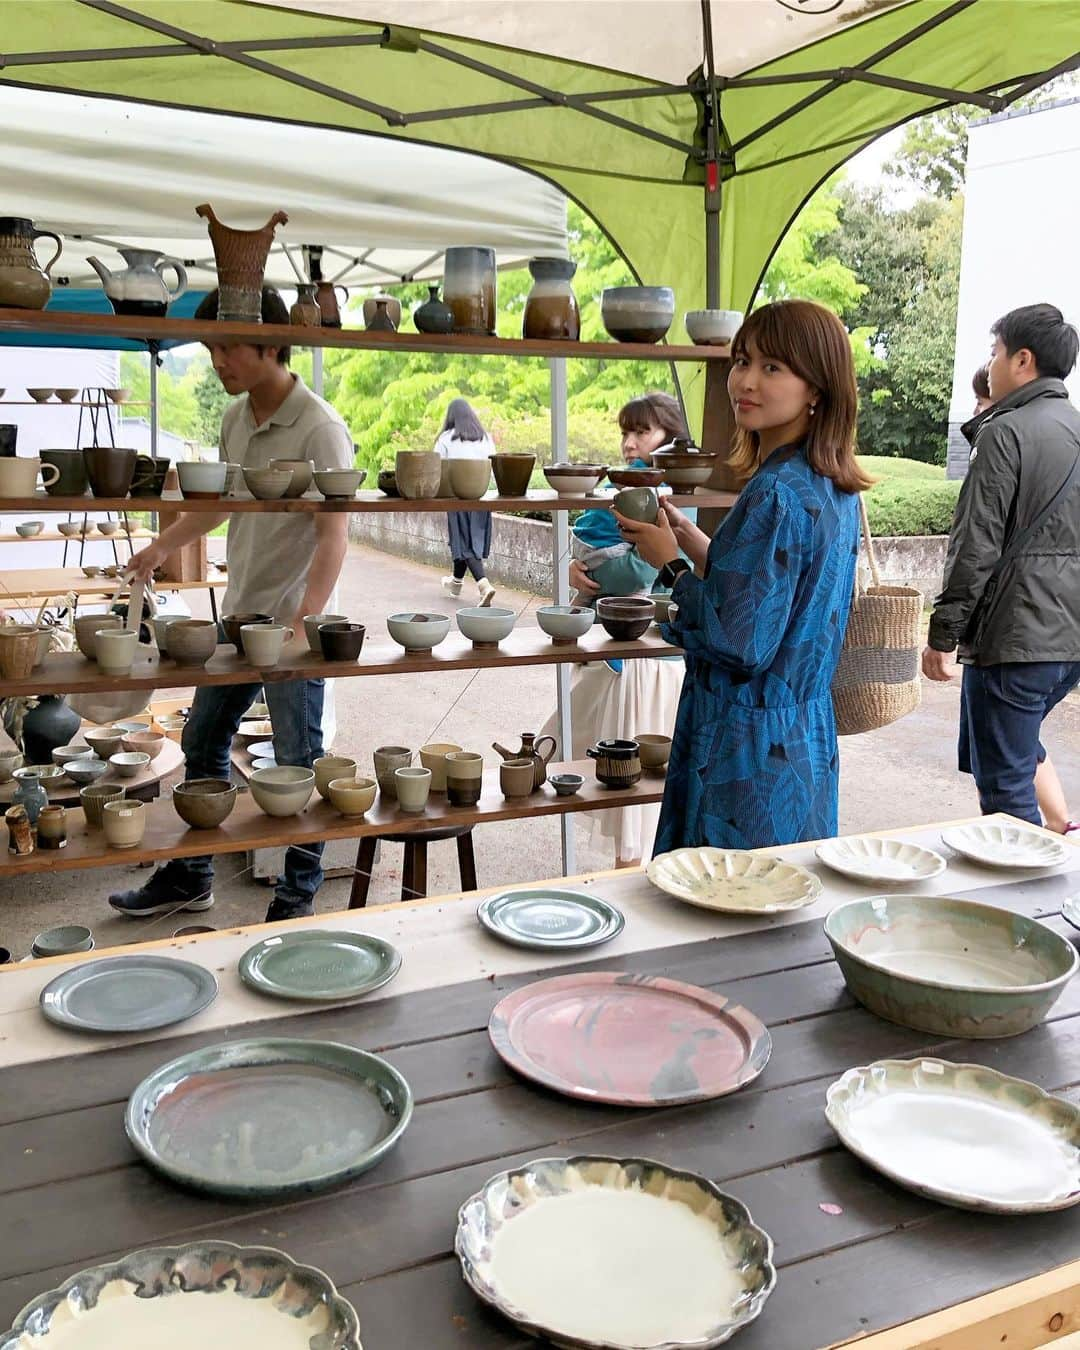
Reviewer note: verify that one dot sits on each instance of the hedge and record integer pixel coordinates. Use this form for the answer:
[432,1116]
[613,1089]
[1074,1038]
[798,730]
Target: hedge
[907,508]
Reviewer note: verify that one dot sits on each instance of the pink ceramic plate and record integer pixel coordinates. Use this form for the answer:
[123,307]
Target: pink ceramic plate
[630,1040]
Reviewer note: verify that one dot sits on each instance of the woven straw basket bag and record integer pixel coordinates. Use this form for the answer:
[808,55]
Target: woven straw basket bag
[877,680]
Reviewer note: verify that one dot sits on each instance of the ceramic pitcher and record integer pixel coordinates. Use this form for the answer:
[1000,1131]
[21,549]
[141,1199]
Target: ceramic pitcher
[140,288]
[23,283]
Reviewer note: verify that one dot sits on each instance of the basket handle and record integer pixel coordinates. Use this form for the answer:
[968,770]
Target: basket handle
[868,540]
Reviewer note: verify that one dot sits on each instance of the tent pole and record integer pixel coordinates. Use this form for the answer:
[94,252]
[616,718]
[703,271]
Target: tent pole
[317,370]
[560,577]
[712,166]
[153,350]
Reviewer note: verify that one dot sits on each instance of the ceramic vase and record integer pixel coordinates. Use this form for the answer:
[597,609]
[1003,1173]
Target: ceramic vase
[31,795]
[551,310]
[433,316]
[382,313]
[469,289]
[240,256]
[48,726]
[305,312]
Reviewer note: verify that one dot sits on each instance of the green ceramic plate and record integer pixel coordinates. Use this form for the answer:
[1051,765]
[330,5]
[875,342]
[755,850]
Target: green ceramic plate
[318,965]
[550,920]
[128,993]
[269,1116]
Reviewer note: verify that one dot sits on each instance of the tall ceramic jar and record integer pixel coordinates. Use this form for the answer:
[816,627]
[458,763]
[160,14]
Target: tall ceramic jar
[551,311]
[47,727]
[305,312]
[469,289]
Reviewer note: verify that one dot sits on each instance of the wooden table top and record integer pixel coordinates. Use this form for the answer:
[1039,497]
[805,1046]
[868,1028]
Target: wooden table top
[40,583]
[74,1192]
[168,759]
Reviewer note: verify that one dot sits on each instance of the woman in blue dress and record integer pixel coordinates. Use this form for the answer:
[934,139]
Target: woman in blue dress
[762,613]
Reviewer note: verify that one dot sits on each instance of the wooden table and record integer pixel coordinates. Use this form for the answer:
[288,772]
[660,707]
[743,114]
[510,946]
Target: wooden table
[74,1193]
[145,786]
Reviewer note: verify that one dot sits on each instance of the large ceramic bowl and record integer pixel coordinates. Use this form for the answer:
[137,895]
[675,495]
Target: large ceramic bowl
[574,480]
[339,484]
[685,469]
[203,803]
[172,1286]
[716,1273]
[637,313]
[485,626]
[192,642]
[418,632]
[952,967]
[283,790]
[625,617]
[713,327]
[565,623]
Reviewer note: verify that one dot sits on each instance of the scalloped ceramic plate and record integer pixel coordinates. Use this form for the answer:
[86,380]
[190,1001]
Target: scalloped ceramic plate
[733,881]
[961,1134]
[206,1293]
[1005,846]
[672,1262]
[868,858]
[546,919]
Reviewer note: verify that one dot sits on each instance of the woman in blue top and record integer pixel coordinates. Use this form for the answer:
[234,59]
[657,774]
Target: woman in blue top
[761,616]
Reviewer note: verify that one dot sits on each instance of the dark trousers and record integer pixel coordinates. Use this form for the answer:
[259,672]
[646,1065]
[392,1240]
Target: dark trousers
[1002,709]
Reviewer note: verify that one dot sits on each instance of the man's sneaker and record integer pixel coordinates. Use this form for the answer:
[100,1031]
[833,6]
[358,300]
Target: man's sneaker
[487,591]
[452,586]
[164,891]
[284,908]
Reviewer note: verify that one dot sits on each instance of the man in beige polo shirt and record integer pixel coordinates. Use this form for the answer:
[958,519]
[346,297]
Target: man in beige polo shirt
[285,564]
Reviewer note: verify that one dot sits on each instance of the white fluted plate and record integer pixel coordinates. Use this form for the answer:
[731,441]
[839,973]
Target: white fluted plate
[868,858]
[733,881]
[1005,845]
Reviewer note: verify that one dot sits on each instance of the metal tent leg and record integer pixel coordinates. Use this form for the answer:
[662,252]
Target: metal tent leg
[560,571]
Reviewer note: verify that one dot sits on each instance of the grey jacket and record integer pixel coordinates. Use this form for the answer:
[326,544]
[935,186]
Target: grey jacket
[1025,447]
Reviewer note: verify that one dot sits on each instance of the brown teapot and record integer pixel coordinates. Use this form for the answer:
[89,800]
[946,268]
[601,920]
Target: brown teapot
[531,748]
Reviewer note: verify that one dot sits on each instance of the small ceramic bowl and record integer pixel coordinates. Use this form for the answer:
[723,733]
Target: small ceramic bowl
[71,529]
[267,484]
[625,617]
[654,751]
[26,529]
[565,623]
[68,395]
[129,762]
[662,606]
[300,474]
[283,790]
[108,527]
[149,742]
[105,741]
[62,941]
[203,803]
[41,395]
[91,570]
[339,484]
[85,770]
[637,313]
[485,627]
[249,732]
[232,623]
[352,796]
[387,482]
[566,784]
[418,632]
[47,773]
[118,395]
[76,750]
[685,469]
[713,327]
[629,477]
[574,480]
[341,641]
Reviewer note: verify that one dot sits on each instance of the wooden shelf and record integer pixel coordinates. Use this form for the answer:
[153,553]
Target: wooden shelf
[248,828]
[75,403]
[539,499]
[41,583]
[192,330]
[91,536]
[72,673]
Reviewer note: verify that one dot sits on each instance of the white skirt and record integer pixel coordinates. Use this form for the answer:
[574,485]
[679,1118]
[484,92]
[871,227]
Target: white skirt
[642,700]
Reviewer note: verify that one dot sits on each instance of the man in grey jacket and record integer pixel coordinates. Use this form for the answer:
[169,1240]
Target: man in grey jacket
[1018,633]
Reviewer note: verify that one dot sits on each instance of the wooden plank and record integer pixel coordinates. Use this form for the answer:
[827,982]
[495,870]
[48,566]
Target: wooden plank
[55,537]
[42,583]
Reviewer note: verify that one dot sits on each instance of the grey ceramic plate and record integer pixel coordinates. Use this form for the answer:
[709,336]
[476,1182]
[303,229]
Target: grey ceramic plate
[128,993]
[270,1116]
[261,750]
[548,919]
[264,762]
[319,965]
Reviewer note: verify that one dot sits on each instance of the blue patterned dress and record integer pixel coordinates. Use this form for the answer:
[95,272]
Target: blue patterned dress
[754,760]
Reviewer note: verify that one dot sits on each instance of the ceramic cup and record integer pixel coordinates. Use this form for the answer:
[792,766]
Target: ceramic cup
[352,796]
[263,643]
[413,787]
[469,478]
[655,750]
[202,479]
[433,757]
[93,798]
[516,777]
[341,641]
[124,823]
[464,777]
[418,473]
[72,481]
[387,759]
[87,625]
[52,827]
[512,473]
[638,503]
[566,784]
[150,476]
[18,477]
[231,625]
[115,649]
[330,767]
[161,624]
[192,642]
[10,760]
[311,628]
[18,650]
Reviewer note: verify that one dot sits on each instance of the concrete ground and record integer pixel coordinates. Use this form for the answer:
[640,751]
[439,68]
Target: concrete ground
[903,775]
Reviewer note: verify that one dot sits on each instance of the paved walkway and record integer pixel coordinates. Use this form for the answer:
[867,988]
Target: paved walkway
[904,775]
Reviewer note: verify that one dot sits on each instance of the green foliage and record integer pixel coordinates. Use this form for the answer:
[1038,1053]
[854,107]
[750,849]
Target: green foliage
[886,469]
[933,152]
[909,506]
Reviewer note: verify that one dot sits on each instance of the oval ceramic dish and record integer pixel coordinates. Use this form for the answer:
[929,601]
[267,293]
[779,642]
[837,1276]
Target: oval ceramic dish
[268,1117]
[953,967]
[631,1040]
[868,858]
[960,1133]
[1005,845]
[128,993]
[550,920]
[319,965]
[732,881]
[206,1293]
[672,1262]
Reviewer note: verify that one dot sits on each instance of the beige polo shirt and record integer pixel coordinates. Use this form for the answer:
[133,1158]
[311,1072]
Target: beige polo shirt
[270,552]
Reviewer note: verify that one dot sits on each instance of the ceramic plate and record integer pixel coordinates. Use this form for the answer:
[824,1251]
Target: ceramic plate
[264,763]
[319,965]
[261,750]
[207,1293]
[962,1134]
[732,881]
[550,919]
[128,993]
[270,1116]
[1005,845]
[867,858]
[670,1261]
[632,1040]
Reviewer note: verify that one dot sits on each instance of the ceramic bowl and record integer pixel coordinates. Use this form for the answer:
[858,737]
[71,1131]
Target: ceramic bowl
[267,484]
[149,742]
[327,768]
[10,760]
[662,606]
[108,527]
[387,482]
[637,313]
[105,741]
[129,762]
[565,623]
[26,529]
[512,473]
[733,881]
[90,571]
[628,477]
[63,753]
[131,725]
[118,395]
[566,784]
[47,773]
[86,769]
[485,627]
[625,617]
[300,471]
[339,484]
[202,479]
[952,967]
[68,395]
[283,790]
[352,796]
[312,623]
[203,803]
[418,632]
[41,395]
[638,503]
[93,799]
[685,469]
[62,941]
[712,327]
[469,478]
[574,480]
[341,641]
[192,642]
[655,751]
[71,529]
[247,733]
[232,623]
[87,625]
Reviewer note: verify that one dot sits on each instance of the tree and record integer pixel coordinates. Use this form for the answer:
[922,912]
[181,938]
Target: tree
[933,152]
[211,400]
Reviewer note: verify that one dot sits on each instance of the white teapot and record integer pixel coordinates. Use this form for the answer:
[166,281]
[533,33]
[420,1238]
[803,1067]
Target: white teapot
[140,288]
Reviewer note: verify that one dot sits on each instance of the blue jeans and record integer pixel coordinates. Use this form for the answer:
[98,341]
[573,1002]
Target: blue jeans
[296,713]
[1002,709]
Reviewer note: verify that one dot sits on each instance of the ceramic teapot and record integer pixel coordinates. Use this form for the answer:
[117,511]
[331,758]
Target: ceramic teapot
[23,283]
[531,748]
[140,288]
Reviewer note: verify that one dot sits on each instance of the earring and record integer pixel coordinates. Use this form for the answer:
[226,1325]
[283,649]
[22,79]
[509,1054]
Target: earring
[813,409]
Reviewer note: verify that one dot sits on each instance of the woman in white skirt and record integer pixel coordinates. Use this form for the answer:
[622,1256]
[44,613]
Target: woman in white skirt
[612,699]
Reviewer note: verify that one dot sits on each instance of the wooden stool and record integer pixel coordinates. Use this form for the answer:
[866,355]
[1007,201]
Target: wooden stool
[414,867]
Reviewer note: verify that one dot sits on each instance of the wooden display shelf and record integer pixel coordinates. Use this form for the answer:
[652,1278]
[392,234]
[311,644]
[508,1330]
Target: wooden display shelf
[249,828]
[142,786]
[194,330]
[539,499]
[42,583]
[90,537]
[72,673]
[75,403]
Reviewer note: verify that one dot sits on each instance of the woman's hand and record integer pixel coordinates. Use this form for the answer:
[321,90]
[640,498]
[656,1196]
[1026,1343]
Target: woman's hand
[580,579]
[692,540]
[655,543]
[144,562]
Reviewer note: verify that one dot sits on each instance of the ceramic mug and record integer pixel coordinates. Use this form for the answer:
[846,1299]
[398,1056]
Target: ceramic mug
[516,777]
[263,643]
[433,757]
[18,477]
[413,786]
[115,650]
[52,827]
[464,777]
[638,503]
[72,480]
[311,628]
[387,759]
[124,823]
